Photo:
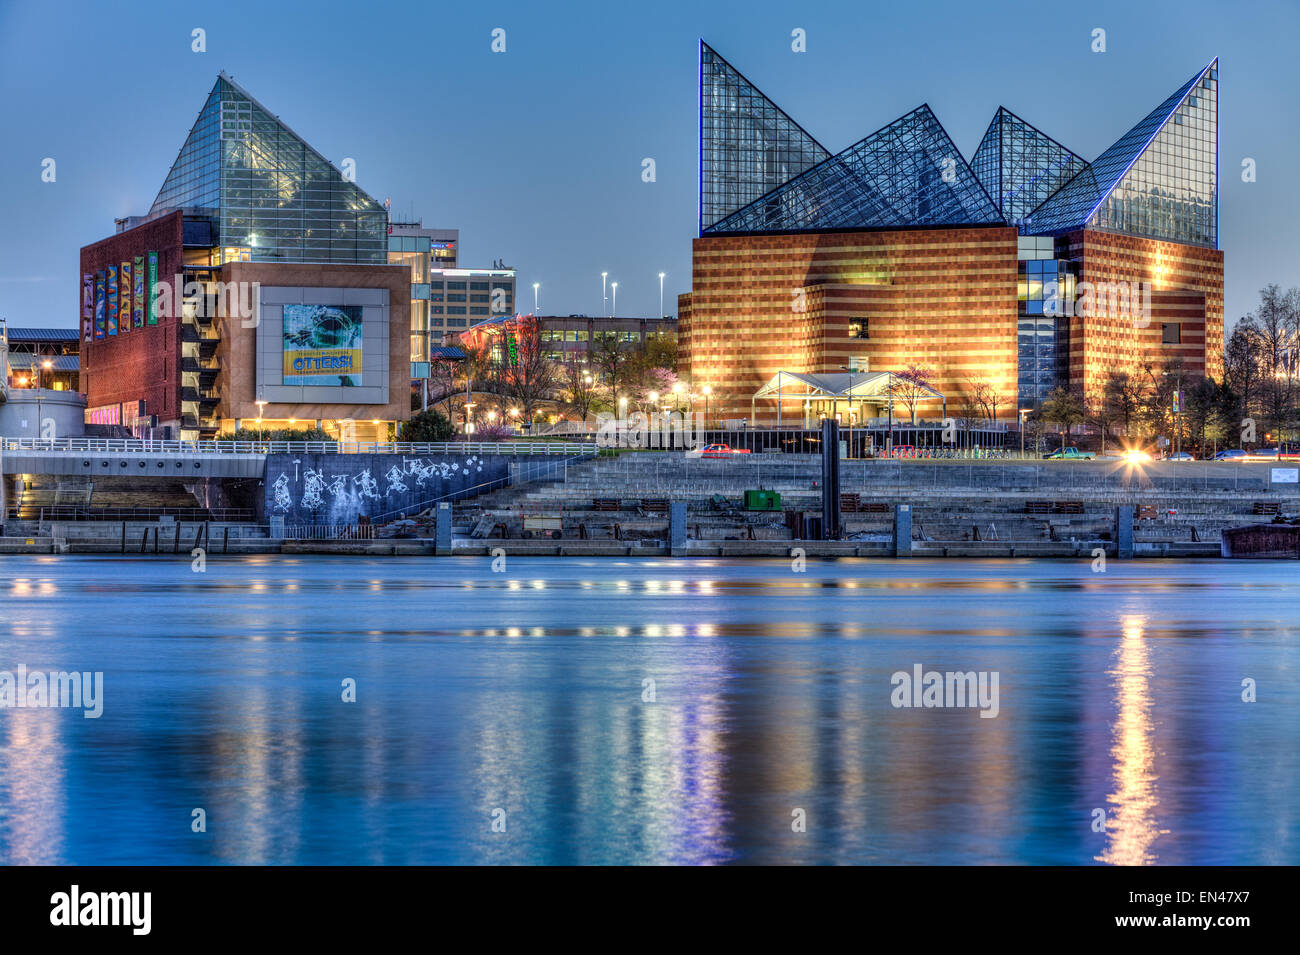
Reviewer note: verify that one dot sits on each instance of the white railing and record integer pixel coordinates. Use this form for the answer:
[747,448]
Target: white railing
[144,446]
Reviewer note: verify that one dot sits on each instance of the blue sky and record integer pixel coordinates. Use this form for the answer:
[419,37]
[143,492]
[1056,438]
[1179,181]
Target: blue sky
[535,154]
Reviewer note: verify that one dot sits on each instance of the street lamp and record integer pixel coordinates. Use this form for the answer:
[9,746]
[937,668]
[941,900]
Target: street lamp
[678,388]
[1022,412]
[261,406]
[708,390]
[614,310]
[849,369]
[661,294]
[604,297]
[536,286]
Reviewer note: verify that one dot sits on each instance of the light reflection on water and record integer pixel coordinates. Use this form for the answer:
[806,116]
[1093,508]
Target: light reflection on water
[530,693]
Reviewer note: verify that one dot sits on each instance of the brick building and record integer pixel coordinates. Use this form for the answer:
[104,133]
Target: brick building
[256,293]
[1026,269]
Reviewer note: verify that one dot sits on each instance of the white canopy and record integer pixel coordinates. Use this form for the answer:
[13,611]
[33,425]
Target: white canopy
[856,386]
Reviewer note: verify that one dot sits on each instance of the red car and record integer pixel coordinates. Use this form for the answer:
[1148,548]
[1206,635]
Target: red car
[722,451]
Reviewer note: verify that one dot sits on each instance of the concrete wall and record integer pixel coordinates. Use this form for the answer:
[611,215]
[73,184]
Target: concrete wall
[63,411]
[337,488]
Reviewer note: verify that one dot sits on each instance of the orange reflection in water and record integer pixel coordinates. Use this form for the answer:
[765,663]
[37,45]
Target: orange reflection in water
[1131,829]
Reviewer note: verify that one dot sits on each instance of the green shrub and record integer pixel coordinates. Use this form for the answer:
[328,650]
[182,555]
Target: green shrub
[427,425]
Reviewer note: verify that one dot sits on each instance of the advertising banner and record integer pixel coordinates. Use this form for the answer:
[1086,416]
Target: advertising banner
[127,286]
[111,286]
[99,304]
[151,315]
[138,303]
[87,306]
[322,345]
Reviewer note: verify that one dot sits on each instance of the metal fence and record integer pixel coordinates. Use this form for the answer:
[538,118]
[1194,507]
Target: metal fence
[327,532]
[143,446]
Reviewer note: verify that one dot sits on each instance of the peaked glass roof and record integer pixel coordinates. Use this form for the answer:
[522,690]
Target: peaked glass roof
[1158,180]
[1020,166]
[761,172]
[907,173]
[274,198]
[748,146]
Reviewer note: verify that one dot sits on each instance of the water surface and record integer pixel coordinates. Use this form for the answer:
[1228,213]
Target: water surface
[651,711]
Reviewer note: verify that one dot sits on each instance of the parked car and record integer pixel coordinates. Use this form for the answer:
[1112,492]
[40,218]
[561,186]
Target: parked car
[1181,456]
[721,451]
[1074,454]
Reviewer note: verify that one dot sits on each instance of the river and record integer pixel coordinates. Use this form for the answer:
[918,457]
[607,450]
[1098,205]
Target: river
[321,710]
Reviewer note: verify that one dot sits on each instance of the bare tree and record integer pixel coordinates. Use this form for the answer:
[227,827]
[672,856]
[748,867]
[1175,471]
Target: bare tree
[614,360]
[910,386]
[579,387]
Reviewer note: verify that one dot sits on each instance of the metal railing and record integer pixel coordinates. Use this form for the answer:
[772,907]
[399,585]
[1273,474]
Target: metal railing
[326,532]
[82,512]
[143,446]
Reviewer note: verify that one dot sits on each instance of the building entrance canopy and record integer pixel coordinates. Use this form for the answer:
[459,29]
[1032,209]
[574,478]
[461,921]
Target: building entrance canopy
[871,387]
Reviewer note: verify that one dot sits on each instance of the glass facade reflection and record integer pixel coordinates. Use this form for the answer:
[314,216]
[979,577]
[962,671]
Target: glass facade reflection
[1170,192]
[1044,284]
[1160,180]
[272,197]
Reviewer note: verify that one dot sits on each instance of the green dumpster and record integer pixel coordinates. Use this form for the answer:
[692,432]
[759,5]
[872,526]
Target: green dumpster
[762,501]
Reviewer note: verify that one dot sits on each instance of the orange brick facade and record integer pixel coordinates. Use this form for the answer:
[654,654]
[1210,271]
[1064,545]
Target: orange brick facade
[1186,288]
[942,298]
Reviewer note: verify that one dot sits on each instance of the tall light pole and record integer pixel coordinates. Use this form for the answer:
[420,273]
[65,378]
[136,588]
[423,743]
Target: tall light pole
[1023,412]
[604,295]
[536,286]
[708,390]
[661,294]
[614,310]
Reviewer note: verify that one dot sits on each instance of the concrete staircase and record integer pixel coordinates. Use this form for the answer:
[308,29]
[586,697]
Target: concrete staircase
[950,503]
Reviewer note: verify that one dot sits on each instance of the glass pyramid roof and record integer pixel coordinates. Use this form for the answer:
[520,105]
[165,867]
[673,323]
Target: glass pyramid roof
[907,173]
[1020,166]
[748,146]
[1160,179]
[274,198]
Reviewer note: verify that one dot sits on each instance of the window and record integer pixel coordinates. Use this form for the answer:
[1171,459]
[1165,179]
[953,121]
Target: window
[478,286]
[1171,333]
[858,328]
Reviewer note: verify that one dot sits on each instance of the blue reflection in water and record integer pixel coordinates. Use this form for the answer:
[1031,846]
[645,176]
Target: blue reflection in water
[650,711]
